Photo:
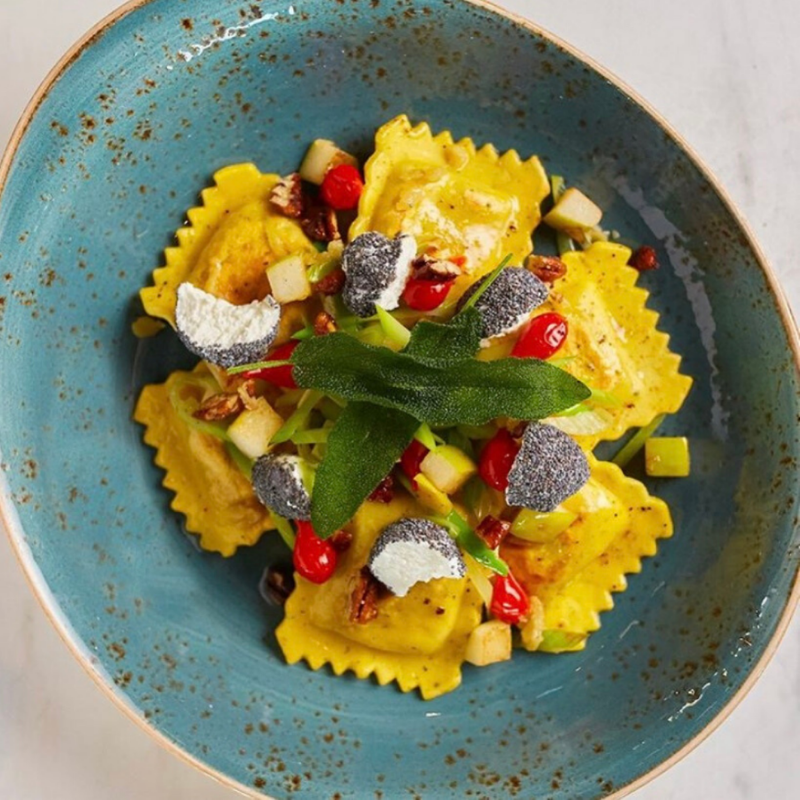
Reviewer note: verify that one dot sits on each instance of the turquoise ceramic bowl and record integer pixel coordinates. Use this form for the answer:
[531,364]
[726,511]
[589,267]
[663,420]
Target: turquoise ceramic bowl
[116,148]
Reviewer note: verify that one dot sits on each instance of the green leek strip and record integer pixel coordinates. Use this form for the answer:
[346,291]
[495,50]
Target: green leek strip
[316,436]
[330,409]
[558,187]
[424,436]
[478,431]
[396,332]
[636,442]
[303,333]
[322,269]
[471,543]
[299,418]
[600,397]
[291,397]
[471,493]
[258,365]
[457,439]
[185,408]
[493,275]
[285,529]
[240,459]
[346,320]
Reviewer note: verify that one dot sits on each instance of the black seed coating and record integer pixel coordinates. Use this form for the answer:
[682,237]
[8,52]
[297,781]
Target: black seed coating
[549,468]
[515,292]
[370,263]
[279,488]
[234,356]
[424,533]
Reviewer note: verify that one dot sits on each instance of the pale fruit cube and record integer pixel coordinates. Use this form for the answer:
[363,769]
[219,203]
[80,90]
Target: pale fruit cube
[532,632]
[321,156]
[489,643]
[574,211]
[667,457]
[254,428]
[433,499]
[288,280]
[448,468]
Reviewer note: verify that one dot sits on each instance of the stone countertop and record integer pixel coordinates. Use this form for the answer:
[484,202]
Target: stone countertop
[724,72]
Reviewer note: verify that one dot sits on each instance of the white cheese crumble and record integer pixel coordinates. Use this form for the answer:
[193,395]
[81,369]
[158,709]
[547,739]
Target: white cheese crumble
[402,564]
[210,321]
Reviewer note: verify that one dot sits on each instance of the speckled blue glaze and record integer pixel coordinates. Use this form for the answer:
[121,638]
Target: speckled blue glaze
[116,152]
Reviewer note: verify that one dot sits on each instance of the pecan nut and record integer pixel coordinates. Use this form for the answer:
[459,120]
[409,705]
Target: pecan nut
[319,223]
[364,600]
[341,541]
[546,268]
[324,324]
[430,268]
[644,259]
[287,196]
[384,491]
[493,531]
[332,283]
[219,406]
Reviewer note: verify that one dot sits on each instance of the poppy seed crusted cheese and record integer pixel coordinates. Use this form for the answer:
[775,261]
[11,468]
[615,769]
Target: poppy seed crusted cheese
[222,333]
[412,551]
[278,484]
[549,468]
[377,270]
[508,302]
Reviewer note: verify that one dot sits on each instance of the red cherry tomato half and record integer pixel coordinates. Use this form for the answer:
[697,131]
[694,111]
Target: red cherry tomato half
[510,603]
[314,558]
[341,188]
[425,295]
[279,376]
[541,337]
[411,459]
[497,459]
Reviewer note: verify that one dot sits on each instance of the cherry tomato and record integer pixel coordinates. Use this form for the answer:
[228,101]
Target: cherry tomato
[497,459]
[314,558]
[279,376]
[425,295]
[341,188]
[510,603]
[541,337]
[411,459]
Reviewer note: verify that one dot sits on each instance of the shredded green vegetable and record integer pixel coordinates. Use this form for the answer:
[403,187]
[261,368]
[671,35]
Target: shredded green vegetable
[285,529]
[299,419]
[636,442]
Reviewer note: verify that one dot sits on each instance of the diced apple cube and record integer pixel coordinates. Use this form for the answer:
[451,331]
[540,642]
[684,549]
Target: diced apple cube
[489,643]
[321,156]
[254,428]
[532,632]
[574,211]
[667,457]
[448,468]
[432,498]
[288,280]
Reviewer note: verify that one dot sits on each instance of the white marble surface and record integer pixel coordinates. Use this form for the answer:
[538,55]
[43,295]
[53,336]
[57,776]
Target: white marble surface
[725,73]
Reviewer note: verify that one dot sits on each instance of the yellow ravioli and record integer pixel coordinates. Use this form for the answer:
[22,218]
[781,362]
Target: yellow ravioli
[614,339]
[210,491]
[418,640]
[618,523]
[229,243]
[451,196]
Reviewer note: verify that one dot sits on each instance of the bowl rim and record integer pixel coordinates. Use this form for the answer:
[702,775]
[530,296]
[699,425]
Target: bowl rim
[9,520]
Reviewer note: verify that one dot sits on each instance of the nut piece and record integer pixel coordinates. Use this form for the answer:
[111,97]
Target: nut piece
[341,541]
[324,324]
[429,268]
[384,491]
[277,584]
[219,406]
[546,268]
[364,600]
[287,196]
[493,531]
[319,223]
[331,284]
[643,259]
